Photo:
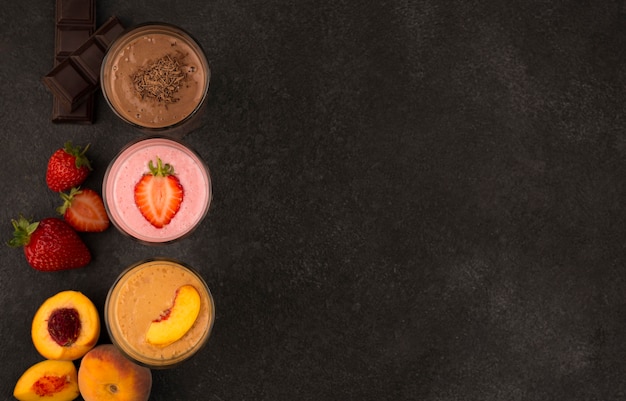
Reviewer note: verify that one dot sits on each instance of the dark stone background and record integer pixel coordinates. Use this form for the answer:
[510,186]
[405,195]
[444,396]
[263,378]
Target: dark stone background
[414,200]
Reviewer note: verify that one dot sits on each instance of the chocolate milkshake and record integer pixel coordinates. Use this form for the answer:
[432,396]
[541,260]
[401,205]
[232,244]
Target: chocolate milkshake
[155,76]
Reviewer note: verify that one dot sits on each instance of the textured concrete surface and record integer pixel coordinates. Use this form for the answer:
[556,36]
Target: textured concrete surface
[414,200]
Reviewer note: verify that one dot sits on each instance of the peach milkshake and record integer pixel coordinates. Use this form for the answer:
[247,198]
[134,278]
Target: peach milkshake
[157,190]
[159,312]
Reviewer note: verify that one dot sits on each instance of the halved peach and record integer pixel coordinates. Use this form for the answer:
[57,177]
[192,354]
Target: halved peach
[65,326]
[175,321]
[49,380]
[106,374]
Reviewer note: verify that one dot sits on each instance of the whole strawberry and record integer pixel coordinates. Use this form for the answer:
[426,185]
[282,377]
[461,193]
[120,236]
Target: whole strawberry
[68,167]
[84,210]
[50,244]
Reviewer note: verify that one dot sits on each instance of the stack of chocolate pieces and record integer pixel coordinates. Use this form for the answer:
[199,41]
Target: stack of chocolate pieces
[79,51]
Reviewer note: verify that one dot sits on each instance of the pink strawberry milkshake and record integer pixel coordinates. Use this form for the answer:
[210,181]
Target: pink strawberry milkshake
[131,164]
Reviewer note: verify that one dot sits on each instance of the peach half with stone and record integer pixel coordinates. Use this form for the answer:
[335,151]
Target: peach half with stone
[65,326]
[48,380]
[176,321]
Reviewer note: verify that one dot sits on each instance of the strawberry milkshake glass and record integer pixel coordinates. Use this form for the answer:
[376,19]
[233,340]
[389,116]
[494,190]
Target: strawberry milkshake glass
[157,190]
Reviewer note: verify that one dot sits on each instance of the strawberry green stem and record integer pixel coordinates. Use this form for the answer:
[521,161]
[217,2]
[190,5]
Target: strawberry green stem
[23,228]
[79,153]
[161,170]
[67,199]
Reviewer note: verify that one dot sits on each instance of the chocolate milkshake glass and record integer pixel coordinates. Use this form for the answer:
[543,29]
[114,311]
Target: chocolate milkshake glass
[144,293]
[119,188]
[155,77]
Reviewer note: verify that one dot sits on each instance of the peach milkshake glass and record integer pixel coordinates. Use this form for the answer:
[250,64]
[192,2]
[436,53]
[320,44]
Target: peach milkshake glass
[159,312]
[143,208]
[155,77]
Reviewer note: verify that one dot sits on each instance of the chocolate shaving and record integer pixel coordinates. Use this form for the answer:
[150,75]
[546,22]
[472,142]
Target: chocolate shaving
[159,80]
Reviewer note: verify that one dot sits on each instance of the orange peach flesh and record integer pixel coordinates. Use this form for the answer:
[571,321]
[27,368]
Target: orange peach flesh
[46,341]
[52,380]
[177,320]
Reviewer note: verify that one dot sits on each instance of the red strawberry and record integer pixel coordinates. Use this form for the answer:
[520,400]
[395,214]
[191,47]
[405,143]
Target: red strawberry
[158,194]
[67,167]
[50,244]
[84,210]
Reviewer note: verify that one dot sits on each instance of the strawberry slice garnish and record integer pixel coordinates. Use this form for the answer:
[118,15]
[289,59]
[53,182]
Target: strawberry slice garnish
[84,210]
[159,194]
[50,244]
[67,167]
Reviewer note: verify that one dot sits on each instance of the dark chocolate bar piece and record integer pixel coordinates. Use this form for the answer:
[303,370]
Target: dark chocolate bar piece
[68,39]
[78,76]
[76,12]
[82,114]
[75,23]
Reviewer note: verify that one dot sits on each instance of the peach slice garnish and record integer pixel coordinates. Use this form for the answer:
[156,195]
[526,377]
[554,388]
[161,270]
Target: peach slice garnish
[48,380]
[175,321]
